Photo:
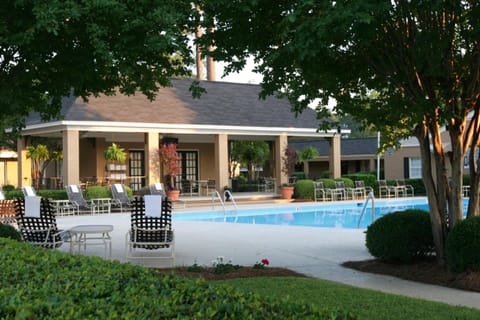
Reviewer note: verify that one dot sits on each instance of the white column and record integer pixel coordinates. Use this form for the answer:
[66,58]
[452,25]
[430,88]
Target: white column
[335,161]
[221,161]
[71,157]
[281,144]
[152,162]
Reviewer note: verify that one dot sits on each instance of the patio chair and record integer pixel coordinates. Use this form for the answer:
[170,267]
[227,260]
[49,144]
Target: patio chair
[75,196]
[37,222]
[267,184]
[339,192]
[189,187]
[151,229]
[319,191]
[28,191]
[406,189]
[209,186]
[158,189]
[120,196]
[7,210]
[384,190]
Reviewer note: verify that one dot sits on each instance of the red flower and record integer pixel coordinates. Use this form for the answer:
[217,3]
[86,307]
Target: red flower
[265,262]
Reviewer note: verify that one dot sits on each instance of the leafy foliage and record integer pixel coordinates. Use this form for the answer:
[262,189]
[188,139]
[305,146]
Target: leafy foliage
[8,231]
[170,158]
[115,153]
[303,189]
[249,154]
[401,236]
[83,287]
[404,68]
[463,246]
[52,49]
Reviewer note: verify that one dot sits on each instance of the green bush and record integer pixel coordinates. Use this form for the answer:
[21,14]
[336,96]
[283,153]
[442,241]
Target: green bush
[303,189]
[418,186]
[8,231]
[8,187]
[328,183]
[401,236]
[367,178]
[462,247]
[48,284]
[95,192]
[49,194]
[347,181]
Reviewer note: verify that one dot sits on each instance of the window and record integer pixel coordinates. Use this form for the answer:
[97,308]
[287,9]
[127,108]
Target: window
[137,169]
[415,165]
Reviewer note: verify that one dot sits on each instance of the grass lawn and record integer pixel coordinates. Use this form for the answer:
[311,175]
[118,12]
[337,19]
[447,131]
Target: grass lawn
[366,304]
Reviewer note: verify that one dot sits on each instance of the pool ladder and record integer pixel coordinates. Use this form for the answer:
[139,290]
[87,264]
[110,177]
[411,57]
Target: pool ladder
[370,196]
[216,195]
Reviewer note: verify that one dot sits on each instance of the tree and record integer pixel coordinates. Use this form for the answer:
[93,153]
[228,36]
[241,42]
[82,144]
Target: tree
[170,159]
[51,49]
[40,159]
[420,58]
[251,154]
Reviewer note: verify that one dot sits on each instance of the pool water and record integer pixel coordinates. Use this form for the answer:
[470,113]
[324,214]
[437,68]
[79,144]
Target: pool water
[327,215]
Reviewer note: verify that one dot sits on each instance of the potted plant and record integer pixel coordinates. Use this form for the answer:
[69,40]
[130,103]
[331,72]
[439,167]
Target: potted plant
[169,158]
[289,160]
[115,154]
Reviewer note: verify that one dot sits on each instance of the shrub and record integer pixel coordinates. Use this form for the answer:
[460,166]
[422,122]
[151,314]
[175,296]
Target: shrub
[401,236]
[8,231]
[48,284]
[347,181]
[303,189]
[53,194]
[10,195]
[328,183]
[463,246]
[98,192]
[8,187]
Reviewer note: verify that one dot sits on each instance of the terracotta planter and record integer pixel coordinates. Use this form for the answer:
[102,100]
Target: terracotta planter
[287,192]
[173,194]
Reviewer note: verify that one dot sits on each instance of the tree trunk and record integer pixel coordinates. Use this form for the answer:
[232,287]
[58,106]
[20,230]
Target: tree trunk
[435,198]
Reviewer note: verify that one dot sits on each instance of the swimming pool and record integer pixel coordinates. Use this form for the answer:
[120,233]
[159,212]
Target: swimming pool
[325,214]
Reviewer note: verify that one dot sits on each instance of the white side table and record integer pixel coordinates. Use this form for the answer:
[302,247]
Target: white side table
[92,235]
[63,207]
[101,205]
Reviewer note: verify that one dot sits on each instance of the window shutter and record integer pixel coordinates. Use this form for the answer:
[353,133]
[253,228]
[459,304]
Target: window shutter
[406,168]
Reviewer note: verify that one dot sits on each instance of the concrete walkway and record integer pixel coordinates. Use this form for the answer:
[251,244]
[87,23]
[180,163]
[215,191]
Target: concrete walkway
[317,252]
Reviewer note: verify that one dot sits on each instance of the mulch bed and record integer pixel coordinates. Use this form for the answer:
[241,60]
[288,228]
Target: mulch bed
[243,272]
[423,271]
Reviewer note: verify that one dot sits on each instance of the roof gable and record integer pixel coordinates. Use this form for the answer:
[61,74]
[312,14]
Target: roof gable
[224,103]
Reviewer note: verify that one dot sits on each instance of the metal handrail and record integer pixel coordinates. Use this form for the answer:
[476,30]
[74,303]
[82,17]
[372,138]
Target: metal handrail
[230,196]
[369,197]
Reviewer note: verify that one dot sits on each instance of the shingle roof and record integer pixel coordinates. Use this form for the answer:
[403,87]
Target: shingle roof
[354,146]
[224,103]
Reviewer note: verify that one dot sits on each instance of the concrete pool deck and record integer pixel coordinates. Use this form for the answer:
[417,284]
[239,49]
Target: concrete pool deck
[316,252]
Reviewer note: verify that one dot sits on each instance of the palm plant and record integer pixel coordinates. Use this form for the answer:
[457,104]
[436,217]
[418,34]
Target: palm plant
[40,159]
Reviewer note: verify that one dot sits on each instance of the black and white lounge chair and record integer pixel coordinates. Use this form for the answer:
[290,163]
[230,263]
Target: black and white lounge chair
[158,189]
[37,222]
[151,229]
[28,191]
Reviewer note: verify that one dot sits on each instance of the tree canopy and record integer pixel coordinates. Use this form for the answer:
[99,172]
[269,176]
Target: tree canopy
[51,49]
[407,68]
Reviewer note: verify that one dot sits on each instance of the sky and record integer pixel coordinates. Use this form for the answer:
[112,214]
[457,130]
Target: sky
[245,76]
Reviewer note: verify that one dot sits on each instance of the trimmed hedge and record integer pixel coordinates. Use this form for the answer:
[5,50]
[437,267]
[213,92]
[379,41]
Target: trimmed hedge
[49,194]
[462,248]
[303,189]
[45,284]
[401,236]
[8,231]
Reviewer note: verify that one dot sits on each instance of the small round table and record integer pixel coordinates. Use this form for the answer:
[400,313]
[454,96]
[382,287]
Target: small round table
[95,234]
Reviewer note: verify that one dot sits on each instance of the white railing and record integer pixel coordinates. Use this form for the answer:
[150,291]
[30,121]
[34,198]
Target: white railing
[216,195]
[370,196]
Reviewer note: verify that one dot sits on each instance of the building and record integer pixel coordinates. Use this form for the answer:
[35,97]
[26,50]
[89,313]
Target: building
[201,128]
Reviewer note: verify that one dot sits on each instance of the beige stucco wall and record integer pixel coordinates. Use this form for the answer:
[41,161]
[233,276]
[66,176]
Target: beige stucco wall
[394,167]
[206,165]
[9,173]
